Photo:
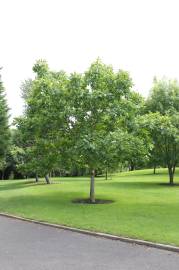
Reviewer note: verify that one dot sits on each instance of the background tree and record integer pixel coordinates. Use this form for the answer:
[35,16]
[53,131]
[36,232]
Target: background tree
[164,130]
[131,148]
[164,97]
[4,126]
[14,156]
[45,124]
[26,88]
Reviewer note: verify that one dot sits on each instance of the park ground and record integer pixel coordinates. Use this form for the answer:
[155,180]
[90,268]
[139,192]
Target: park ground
[144,206]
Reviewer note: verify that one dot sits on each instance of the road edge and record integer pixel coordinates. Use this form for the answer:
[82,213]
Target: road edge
[97,234]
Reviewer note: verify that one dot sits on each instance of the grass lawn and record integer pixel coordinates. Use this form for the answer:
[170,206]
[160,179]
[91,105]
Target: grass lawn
[142,209]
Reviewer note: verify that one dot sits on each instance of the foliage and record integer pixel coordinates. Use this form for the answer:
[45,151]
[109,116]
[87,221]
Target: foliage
[45,126]
[4,126]
[164,97]
[101,105]
[164,130]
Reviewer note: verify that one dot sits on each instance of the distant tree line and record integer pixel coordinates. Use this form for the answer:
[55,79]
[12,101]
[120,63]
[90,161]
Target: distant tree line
[89,124]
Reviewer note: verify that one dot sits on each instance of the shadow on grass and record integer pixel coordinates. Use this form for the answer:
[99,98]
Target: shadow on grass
[5,186]
[24,184]
[47,203]
[77,179]
[87,201]
[169,185]
[137,185]
[135,175]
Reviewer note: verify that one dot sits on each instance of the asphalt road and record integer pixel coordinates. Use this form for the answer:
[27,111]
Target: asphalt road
[28,246]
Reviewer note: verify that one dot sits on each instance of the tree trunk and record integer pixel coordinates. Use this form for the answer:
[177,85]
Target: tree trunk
[121,167]
[92,192]
[36,178]
[47,179]
[174,170]
[171,174]
[131,167]
[2,174]
[106,174]
[154,169]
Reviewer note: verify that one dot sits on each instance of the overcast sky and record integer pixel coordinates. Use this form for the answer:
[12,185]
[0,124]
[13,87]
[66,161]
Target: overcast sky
[141,36]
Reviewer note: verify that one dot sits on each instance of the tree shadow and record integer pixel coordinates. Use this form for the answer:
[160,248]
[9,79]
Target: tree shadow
[47,202]
[88,201]
[135,175]
[137,185]
[78,179]
[169,185]
[20,185]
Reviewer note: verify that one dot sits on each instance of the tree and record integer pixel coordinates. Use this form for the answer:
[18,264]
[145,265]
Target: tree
[131,148]
[26,88]
[155,158]
[74,120]
[164,97]
[45,124]
[164,130]
[14,156]
[98,108]
[4,126]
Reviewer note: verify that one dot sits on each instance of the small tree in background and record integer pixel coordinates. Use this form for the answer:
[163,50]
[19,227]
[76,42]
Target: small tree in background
[4,126]
[164,131]
[164,97]
[45,124]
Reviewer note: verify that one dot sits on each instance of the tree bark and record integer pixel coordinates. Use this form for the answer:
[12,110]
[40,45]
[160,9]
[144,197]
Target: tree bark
[154,169]
[174,170]
[2,174]
[131,167]
[171,174]
[36,178]
[47,179]
[92,187]
[106,174]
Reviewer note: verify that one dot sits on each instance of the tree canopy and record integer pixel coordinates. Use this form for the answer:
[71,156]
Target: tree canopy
[73,119]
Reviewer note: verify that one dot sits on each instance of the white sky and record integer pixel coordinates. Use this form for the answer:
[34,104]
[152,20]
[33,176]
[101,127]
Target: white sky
[141,36]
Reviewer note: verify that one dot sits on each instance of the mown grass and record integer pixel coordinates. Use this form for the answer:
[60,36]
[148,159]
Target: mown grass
[143,208]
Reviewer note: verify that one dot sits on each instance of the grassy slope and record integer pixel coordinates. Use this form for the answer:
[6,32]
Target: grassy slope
[142,208]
